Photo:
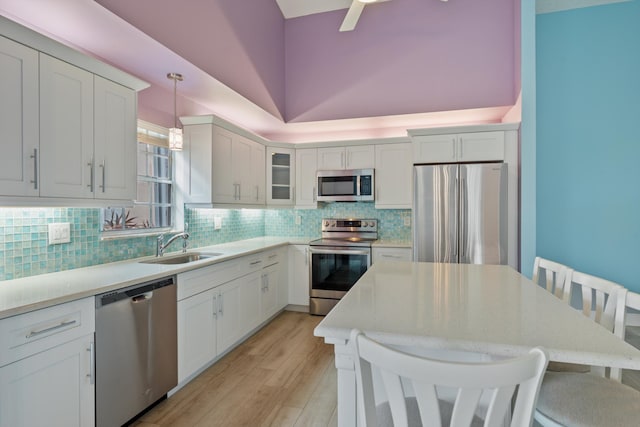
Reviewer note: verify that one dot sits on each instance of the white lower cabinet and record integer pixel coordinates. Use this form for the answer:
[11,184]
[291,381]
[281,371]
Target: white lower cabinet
[220,304]
[47,375]
[269,290]
[391,254]
[299,275]
[197,332]
[250,300]
[52,388]
[230,321]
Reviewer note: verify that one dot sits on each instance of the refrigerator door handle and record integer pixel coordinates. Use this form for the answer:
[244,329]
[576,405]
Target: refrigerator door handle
[464,221]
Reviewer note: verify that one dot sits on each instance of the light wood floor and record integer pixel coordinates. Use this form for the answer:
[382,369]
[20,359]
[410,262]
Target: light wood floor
[281,376]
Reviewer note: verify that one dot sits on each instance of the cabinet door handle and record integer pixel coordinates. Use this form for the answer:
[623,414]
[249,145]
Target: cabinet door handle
[342,160]
[51,328]
[90,185]
[104,168]
[220,304]
[239,191]
[215,306]
[461,148]
[34,156]
[257,192]
[92,363]
[453,149]
[314,194]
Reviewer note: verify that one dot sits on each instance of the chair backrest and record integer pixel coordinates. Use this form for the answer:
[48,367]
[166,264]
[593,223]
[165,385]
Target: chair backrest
[499,379]
[623,318]
[554,277]
[599,297]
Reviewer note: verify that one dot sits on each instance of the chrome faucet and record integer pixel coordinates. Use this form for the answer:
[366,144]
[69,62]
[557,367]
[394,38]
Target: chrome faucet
[161,245]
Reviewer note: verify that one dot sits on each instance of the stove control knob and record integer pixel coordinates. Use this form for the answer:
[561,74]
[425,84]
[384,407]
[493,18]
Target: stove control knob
[326,223]
[372,224]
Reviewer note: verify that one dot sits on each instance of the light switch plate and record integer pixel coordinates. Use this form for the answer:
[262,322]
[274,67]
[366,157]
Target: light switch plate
[59,233]
[407,221]
[217,223]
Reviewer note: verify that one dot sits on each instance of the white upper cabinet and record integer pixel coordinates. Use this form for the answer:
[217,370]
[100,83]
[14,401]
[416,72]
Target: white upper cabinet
[306,167]
[280,164]
[68,124]
[351,157]
[460,147]
[115,142]
[220,167]
[18,119]
[393,176]
[87,134]
[257,189]
[67,167]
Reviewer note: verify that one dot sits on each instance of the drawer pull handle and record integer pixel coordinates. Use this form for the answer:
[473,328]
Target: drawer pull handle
[256,262]
[52,328]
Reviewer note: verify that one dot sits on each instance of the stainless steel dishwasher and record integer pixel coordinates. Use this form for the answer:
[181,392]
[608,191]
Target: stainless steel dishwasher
[136,349]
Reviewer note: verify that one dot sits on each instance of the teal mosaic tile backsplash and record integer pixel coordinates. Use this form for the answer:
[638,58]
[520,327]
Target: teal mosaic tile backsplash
[24,250]
[282,222]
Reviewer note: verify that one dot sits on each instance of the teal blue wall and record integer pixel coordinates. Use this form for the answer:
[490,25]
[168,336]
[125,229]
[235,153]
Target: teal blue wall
[588,141]
[23,233]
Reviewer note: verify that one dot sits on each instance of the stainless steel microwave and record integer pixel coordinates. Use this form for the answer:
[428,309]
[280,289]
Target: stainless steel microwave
[351,185]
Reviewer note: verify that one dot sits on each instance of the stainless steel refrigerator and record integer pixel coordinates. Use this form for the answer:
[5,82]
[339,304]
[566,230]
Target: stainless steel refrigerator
[460,213]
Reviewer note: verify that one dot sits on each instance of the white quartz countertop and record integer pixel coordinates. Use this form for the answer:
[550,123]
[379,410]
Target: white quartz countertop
[390,243]
[35,292]
[481,308]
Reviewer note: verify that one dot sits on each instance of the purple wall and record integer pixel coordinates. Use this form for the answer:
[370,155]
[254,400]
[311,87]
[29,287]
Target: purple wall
[405,56]
[239,42]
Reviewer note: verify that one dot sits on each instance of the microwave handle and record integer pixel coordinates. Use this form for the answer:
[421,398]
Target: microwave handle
[339,251]
[358,185]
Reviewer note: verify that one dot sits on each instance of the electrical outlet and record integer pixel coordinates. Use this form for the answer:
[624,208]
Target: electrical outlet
[217,223]
[59,233]
[298,219]
[407,221]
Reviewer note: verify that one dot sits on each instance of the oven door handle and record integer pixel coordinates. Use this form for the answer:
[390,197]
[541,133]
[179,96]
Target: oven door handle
[340,251]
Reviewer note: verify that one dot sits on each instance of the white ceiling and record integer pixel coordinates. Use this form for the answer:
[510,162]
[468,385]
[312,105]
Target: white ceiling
[296,8]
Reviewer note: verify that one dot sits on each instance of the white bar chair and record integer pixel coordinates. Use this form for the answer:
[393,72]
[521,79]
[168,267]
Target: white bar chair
[555,277]
[575,399]
[599,297]
[498,379]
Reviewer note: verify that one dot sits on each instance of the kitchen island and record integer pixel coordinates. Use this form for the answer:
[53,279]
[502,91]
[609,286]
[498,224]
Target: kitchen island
[462,311]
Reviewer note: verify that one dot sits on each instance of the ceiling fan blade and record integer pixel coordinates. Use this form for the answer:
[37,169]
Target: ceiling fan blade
[353,14]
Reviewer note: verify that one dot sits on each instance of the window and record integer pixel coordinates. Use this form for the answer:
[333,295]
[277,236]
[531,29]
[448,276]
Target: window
[153,209]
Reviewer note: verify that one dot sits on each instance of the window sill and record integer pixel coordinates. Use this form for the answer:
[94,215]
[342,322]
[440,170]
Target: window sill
[132,234]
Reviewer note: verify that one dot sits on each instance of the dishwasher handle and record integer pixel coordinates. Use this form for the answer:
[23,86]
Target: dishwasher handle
[137,292]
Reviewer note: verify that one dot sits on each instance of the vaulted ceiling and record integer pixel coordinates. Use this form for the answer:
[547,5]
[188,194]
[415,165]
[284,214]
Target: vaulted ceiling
[409,63]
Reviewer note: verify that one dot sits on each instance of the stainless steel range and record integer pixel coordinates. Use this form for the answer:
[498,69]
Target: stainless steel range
[338,260]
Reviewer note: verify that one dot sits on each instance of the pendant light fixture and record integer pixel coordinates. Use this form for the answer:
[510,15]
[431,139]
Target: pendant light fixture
[175,133]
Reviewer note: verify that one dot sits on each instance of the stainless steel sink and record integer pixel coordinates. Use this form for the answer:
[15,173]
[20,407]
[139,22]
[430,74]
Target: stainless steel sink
[182,258]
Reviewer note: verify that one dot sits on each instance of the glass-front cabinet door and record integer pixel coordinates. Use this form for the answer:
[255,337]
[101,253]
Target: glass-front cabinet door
[280,176]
